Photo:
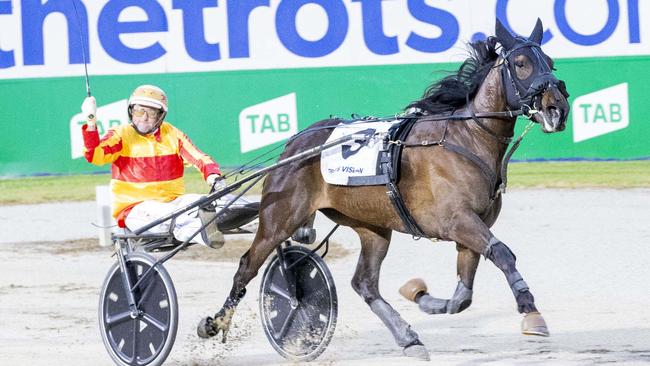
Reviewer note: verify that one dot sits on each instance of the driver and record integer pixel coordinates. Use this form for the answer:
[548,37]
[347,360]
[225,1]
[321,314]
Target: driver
[147,158]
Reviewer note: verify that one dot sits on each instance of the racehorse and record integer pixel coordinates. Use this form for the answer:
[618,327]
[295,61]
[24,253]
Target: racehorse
[449,187]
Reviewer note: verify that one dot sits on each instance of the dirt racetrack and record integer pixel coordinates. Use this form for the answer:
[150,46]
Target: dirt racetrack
[584,253]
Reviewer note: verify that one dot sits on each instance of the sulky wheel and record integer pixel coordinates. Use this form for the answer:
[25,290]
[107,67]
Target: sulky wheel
[300,332]
[144,337]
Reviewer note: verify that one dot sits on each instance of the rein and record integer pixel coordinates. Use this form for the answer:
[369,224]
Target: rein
[525,111]
[491,176]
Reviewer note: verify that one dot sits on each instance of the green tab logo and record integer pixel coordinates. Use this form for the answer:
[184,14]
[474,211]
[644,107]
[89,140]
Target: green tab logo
[268,122]
[601,112]
[108,116]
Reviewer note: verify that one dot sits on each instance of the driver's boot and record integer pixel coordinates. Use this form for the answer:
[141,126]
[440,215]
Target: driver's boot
[211,235]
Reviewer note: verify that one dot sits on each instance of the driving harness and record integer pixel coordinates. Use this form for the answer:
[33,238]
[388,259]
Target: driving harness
[395,141]
[521,98]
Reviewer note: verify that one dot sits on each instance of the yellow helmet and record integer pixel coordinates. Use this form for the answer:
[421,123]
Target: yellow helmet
[150,96]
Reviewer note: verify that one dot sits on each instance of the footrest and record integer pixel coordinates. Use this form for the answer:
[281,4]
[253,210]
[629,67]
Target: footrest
[237,215]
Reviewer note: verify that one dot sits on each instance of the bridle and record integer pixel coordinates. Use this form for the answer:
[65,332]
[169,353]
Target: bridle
[525,95]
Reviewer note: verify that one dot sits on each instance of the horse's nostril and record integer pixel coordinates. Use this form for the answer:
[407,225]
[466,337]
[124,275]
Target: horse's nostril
[554,113]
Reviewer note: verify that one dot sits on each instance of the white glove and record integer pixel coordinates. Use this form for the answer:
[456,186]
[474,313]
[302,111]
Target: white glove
[216,181]
[89,110]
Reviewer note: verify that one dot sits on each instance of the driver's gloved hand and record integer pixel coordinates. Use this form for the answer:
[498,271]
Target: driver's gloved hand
[89,111]
[216,181]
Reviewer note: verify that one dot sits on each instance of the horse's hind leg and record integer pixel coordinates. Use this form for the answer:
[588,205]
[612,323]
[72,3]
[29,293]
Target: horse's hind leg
[374,246]
[278,220]
[415,289]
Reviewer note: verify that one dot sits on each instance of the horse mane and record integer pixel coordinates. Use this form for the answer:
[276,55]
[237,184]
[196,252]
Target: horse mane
[452,91]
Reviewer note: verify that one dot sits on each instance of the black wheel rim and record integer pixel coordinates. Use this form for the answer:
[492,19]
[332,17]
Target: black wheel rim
[302,332]
[137,341]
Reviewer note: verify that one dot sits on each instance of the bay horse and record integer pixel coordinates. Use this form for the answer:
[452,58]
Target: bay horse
[449,188]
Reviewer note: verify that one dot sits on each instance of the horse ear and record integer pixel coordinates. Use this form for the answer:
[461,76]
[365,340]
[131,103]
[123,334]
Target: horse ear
[506,39]
[538,32]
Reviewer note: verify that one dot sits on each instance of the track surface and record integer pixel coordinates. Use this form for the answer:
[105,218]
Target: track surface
[584,253]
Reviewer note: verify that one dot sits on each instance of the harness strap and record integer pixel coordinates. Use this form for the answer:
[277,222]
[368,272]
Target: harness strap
[411,225]
[420,118]
[508,155]
[399,133]
[502,139]
[489,174]
[398,144]
[487,171]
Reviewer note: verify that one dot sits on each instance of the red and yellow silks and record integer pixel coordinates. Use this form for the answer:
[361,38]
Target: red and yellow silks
[145,167]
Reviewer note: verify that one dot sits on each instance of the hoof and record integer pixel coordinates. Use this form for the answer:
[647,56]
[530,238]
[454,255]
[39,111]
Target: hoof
[209,327]
[205,329]
[413,288]
[534,324]
[417,351]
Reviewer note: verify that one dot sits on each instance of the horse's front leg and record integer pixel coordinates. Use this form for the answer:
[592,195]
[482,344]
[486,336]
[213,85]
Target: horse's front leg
[466,264]
[467,228]
[533,322]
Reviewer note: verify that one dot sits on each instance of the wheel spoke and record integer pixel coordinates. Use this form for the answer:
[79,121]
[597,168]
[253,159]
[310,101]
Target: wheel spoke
[303,314]
[145,293]
[280,291]
[155,322]
[117,319]
[286,324]
[134,360]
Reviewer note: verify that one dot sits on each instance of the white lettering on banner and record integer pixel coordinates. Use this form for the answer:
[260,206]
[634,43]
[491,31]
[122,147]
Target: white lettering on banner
[110,115]
[147,36]
[600,112]
[269,122]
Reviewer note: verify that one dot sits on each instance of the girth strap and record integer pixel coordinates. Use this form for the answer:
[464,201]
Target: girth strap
[391,166]
[411,225]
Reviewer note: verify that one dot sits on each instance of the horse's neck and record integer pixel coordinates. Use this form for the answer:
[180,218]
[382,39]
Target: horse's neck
[491,98]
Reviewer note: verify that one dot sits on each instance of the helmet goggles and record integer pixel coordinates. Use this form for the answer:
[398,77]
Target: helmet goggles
[140,111]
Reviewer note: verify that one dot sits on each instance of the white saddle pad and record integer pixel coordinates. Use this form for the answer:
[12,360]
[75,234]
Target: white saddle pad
[354,158]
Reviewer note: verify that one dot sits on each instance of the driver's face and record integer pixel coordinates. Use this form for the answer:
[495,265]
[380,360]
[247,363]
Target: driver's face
[145,118]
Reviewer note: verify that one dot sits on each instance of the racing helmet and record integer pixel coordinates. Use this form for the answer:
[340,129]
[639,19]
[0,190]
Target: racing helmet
[149,96]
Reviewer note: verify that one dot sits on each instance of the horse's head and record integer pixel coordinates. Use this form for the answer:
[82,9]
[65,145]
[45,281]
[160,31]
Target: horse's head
[528,80]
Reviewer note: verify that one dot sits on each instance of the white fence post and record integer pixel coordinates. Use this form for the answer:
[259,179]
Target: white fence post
[104,219]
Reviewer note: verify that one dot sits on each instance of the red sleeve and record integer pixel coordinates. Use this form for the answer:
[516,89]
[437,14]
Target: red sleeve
[91,141]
